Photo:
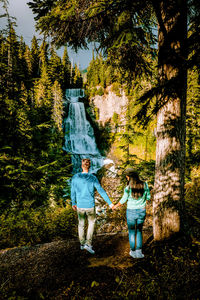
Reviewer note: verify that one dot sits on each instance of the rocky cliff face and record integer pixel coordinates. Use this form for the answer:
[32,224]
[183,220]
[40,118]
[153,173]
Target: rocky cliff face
[108,104]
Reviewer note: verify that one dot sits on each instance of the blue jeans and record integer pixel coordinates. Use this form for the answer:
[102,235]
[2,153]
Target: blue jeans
[135,221]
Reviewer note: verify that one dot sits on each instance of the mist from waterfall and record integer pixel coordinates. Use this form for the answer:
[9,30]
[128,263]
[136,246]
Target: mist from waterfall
[79,134]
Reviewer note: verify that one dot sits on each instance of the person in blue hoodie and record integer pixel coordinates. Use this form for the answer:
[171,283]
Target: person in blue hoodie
[83,186]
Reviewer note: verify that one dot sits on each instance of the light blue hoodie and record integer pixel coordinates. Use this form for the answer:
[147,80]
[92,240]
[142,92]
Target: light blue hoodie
[82,190]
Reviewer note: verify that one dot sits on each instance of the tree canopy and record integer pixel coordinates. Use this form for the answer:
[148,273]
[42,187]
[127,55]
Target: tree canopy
[122,28]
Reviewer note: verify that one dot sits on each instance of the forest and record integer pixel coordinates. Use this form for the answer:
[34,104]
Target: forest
[141,52]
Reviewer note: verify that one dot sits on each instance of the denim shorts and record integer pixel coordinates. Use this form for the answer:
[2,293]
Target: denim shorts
[135,215]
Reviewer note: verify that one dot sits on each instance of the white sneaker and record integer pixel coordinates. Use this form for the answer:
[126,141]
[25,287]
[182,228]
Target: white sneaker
[82,247]
[132,253]
[89,248]
[139,253]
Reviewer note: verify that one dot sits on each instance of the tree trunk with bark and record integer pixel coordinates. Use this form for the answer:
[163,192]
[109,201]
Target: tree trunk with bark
[168,205]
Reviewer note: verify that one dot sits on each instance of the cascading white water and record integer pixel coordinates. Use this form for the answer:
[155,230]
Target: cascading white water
[79,134]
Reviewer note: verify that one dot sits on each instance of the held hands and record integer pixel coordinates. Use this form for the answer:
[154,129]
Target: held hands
[74,207]
[112,206]
[116,206]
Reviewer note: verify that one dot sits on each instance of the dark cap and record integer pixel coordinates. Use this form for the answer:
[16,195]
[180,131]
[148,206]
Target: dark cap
[131,172]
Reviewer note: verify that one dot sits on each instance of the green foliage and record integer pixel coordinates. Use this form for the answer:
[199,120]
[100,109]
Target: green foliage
[32,226]
[55,68]
[115,118]
[100,91]
[57,105]
[124,31]
[66,69]
[77,81]
[116,88]
[131,144]
[192,189]
[96,112]
[31,137]
[100,74]
[193,120]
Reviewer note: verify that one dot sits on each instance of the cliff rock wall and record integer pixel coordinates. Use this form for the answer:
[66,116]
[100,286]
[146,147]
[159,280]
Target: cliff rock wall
[108,104]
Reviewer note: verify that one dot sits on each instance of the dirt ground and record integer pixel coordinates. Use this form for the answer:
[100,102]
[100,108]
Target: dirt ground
[53,270]
[60,270]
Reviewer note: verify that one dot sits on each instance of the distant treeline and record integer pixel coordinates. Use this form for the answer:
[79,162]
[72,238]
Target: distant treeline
[33,81]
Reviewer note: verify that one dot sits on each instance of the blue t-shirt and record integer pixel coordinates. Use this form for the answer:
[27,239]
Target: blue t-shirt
[83,186]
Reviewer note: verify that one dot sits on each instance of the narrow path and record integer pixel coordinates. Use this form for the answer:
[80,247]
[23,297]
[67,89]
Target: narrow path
[46,268]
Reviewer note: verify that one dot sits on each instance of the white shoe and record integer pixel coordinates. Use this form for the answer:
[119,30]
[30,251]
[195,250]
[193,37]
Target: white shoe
[89,248]
[132,253]
[82,247]
[139,253]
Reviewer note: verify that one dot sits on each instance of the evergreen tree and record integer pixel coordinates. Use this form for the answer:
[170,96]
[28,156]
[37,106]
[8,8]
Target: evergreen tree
[43,89]
[23,72]
[55,68]
[35,57]
[29,62]
[66,70]
[43,55]
[12,46]
[57,105]
[77,78]
[3,63]
[32,162]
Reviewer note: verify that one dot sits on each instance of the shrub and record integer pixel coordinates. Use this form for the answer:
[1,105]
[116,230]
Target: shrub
[192,188]
[100,91]
[116,89]
[29,226]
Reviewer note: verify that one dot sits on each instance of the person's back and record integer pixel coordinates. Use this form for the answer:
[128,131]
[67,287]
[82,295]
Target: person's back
[82,190]
[83,186]
[135,194]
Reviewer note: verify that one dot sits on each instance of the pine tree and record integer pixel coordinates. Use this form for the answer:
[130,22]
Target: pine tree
[23,72]
[55,68]
[43,55]
[57,105]
[12,46]
[66,70]
[77,78]
[35,58]
[31,156]
[29,62]
[43,89]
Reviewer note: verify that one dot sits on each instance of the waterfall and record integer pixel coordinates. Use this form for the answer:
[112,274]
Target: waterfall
[79,134]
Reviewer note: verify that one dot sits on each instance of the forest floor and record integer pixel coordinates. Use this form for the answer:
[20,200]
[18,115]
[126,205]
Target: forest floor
[60,270]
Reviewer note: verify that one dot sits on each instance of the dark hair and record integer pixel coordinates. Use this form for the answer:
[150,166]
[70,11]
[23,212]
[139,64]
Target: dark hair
[135,184]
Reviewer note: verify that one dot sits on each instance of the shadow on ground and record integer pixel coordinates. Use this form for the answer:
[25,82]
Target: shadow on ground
[60,270]
[40,271]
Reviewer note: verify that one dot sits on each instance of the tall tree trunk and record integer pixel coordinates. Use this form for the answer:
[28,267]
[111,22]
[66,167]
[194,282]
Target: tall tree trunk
[168,205]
